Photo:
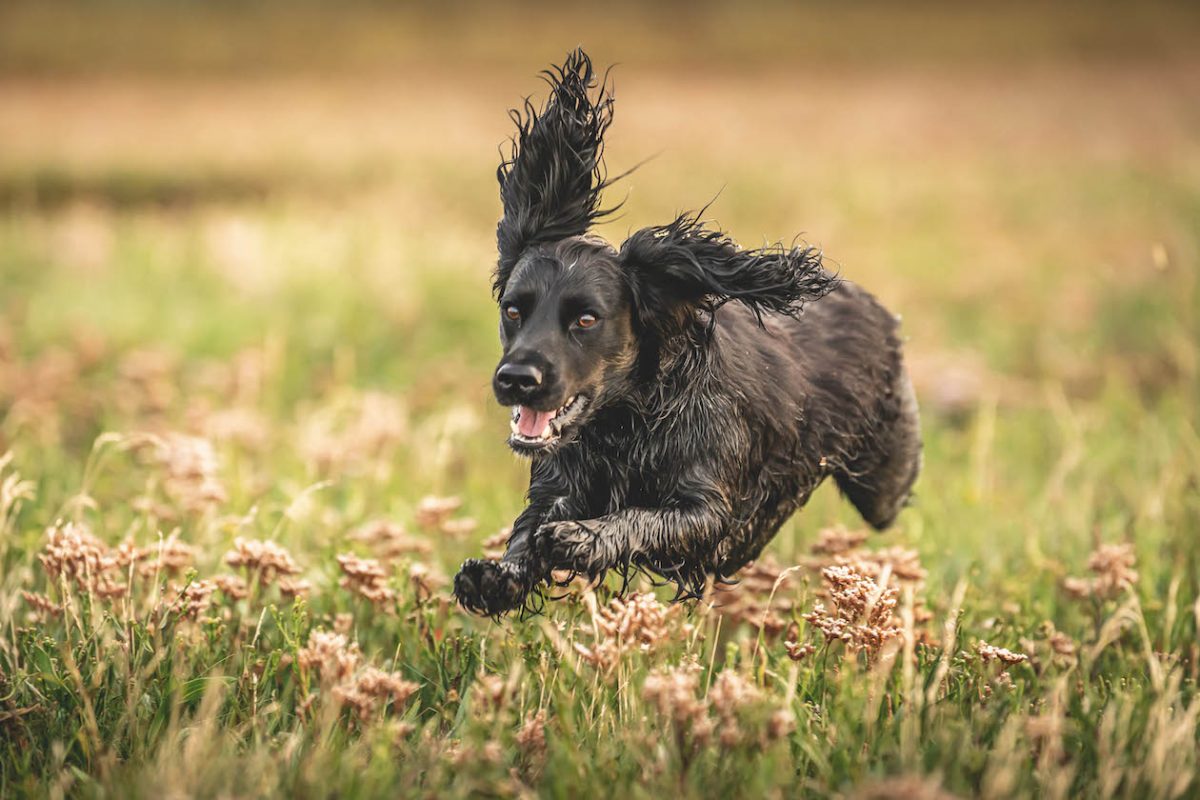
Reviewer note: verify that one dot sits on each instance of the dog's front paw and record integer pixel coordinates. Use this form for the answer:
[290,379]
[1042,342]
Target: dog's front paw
[573,546]
[490,587]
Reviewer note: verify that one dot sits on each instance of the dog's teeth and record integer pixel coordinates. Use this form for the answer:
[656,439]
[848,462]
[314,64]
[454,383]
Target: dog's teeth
[512,425]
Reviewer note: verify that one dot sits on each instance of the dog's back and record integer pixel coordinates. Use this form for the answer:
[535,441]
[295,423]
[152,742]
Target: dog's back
[837,394]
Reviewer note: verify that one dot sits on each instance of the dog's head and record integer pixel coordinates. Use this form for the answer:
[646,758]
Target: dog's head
[576,312]
[566,324]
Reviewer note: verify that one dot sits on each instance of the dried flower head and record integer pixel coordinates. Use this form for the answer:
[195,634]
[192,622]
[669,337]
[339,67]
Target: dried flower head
[838,540]
[781,723]
[42,606]
[1000,655]
[753,601]
[1113,565]
[72,550]
[425,580]
[129,552]
[862,613]
[729,695]
[389,540]
[292,588]
[432,511]
[189,467]
[193,599]
[903,563]
[495,545]
[371,689]
[1078,588]
[263,559]
[735,710]
[634,623]
[332,656]
[900,565]
[74,554]
[339,666]
[673,694]
[170,556]
[797,651]
[232,586]
[366,577]
[458,528]
[1113,568]
[531,738]
[1062,644]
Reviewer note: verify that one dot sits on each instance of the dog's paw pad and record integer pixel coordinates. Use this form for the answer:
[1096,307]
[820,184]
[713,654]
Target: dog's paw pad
[488,587]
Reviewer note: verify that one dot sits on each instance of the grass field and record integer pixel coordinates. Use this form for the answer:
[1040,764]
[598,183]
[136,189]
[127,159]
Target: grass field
[245,257]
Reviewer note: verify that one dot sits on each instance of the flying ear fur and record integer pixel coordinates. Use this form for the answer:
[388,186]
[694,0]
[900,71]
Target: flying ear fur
[551,180]
[682,267]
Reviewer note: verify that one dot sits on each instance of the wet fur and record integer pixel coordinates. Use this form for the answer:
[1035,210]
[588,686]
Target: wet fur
[727,383]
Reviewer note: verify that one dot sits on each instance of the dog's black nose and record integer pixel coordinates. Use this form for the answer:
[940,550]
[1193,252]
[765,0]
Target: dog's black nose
[522,377]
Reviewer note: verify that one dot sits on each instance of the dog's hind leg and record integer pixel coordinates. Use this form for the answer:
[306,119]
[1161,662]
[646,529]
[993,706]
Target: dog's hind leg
[879,485]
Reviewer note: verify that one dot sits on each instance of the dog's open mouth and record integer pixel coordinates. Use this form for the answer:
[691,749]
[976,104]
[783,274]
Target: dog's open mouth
[532,428]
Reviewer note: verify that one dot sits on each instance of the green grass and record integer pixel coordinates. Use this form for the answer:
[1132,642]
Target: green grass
[311,295]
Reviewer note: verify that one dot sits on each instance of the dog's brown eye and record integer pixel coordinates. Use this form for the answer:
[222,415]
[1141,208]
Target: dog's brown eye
[586,320]
[512,312]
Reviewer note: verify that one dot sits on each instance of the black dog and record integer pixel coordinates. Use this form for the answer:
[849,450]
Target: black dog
[671,430]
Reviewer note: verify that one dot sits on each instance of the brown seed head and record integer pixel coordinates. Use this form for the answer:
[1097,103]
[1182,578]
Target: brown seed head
[389,540]
[637,622]
[331,655]
[989,652]
[232,586]
[494,546]
[432,511]
[862,613]
[41,604]
[838,540]
[1113,568]
[265,559]
[367,578]
[531,737]
[73,553]
[193,599]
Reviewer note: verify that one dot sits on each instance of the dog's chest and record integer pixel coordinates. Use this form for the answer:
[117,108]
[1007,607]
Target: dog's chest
[614,469]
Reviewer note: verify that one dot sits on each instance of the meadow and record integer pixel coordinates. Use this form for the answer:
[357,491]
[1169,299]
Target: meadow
[247,434]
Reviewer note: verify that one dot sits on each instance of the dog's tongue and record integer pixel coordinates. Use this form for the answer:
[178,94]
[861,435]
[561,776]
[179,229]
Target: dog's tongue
[532,423]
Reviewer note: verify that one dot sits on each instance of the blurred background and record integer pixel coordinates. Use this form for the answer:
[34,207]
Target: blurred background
[273,224]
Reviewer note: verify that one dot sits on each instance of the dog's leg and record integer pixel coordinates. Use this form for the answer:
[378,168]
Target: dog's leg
[678,543]
[495,587]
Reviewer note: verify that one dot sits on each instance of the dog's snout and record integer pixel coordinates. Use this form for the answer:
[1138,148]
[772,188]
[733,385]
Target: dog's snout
[519,377]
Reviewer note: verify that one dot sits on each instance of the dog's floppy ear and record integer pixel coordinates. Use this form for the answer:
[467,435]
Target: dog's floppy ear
[675,269]
[551,179]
